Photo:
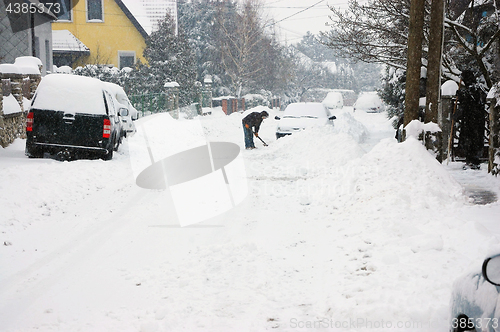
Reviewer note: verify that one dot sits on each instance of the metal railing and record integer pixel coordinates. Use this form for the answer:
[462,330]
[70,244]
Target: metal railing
[151,103]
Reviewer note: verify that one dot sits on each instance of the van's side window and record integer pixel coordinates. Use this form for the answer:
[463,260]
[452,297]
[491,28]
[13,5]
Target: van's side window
[110,108]
[105,102]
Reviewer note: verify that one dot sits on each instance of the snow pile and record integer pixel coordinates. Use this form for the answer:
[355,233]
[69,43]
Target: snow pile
[298,150]
[449,88]
[10,105]
[392,174]
[29,65]
[404,175]
[416,127]
[346,123]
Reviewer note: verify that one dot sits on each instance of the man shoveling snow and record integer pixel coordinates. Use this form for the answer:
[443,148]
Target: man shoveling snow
[252,120]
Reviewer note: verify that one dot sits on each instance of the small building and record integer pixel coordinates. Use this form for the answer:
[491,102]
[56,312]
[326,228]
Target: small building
[98,32]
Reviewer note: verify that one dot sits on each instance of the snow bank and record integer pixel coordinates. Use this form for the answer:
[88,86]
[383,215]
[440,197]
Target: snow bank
[416,127]
[402,174]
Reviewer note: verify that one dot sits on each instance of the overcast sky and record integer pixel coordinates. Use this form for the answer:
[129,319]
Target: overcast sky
[295,17]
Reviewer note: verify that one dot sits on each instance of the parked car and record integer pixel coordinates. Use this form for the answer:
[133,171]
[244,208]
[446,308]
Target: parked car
[299,116]
[475,303]
[73,116]
[369,102]
[333,100]
[121,97]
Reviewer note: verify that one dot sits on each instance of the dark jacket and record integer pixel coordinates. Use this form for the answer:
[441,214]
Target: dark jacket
[254,120]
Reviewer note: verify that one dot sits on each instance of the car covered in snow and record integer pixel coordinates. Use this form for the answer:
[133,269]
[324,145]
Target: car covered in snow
[73,116]
[475,302]
[369,102]
[121,97]
[333,100]
[299,116]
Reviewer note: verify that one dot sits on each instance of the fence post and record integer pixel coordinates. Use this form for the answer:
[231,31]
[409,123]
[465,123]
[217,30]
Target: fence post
[224,105]
[172,90]
[207,91]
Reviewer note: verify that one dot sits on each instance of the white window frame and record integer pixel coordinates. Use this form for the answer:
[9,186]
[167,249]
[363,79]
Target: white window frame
[87,13]
[126,53]
[70,13]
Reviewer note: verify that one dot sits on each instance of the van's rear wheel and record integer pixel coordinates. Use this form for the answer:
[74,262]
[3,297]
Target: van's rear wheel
[116,143]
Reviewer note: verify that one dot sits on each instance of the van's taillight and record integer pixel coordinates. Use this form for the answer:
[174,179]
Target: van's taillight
[29,122]
[106,130]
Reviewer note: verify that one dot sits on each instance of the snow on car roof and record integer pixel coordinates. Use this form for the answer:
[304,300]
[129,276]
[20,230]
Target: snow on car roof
[117,92]
[301,109]
[368,99]
[70,93]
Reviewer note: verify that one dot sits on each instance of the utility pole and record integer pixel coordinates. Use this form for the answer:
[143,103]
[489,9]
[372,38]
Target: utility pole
[433,105]
[415,37]
[433,91]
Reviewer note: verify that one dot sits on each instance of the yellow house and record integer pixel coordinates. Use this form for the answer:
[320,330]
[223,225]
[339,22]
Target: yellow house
[97,32]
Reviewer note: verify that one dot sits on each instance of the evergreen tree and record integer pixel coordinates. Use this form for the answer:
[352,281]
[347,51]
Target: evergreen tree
[170,59]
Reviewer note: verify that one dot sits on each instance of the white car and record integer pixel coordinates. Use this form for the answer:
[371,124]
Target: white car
[333,100]
[475,302]
[299,116]
[369,102]
[120,95]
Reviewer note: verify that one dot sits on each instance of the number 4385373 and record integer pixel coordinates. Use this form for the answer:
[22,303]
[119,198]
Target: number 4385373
[32,8]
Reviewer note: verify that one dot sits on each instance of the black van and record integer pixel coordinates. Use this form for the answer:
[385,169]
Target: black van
[72,117]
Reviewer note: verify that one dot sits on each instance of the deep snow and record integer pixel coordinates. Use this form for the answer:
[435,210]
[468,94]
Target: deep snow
[343,229]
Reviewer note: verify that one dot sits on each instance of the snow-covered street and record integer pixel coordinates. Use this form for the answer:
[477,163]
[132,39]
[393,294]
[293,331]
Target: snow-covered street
[343,229]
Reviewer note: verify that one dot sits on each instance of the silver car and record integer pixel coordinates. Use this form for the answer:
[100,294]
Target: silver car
[475,303]
[299,116]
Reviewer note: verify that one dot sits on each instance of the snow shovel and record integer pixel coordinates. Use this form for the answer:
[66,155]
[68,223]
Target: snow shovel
[265,144]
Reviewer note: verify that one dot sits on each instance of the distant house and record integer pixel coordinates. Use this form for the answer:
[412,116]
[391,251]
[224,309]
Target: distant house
[24,34]
[98,32]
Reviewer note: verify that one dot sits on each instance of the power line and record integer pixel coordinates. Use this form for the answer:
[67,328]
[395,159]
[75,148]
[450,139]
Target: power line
[300,11]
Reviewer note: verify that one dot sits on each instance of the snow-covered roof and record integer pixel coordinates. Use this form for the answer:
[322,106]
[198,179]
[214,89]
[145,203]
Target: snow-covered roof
[171,85]
[65,41]
[136,12]
[330,65]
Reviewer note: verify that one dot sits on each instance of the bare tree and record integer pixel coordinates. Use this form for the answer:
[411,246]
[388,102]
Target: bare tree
[378,31]
[414,62]
[242,41]
[477,35]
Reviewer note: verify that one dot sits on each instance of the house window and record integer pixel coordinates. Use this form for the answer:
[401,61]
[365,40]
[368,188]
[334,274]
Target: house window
[95,11]
[64,13]
[126,59]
